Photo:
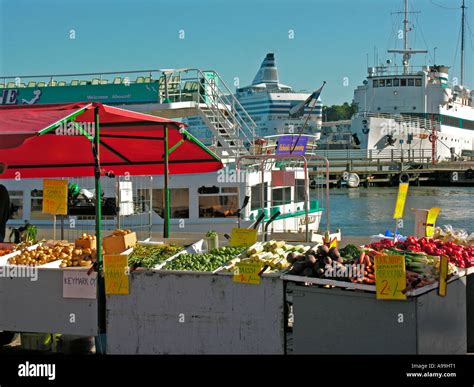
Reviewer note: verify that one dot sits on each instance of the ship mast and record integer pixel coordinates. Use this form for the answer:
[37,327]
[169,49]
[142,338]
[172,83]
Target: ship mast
[407,52]
[463,7]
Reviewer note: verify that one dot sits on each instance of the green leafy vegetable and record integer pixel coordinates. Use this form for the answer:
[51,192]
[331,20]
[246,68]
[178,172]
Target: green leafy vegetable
[204,261]
[149,256]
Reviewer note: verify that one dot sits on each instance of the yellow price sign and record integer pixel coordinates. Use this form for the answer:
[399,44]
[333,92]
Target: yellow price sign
[443,275]
[390,277]
[401,199]
[247,273]
[243,237]
[115,274]
[431,221]
[55,197]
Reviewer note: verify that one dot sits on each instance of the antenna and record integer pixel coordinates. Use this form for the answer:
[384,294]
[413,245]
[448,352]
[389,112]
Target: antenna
[407,52]
[463,7]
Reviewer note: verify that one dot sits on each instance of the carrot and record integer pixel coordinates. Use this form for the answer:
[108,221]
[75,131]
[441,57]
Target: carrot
[371,276]
[369,281]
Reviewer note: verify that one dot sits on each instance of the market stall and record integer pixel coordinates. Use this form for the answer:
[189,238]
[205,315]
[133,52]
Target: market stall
[387,297]
[84,139]
[197,302]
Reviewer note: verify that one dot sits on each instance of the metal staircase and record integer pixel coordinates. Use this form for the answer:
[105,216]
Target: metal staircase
[231,126]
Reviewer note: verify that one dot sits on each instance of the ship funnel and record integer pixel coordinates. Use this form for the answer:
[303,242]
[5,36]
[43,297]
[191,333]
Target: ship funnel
[268,73]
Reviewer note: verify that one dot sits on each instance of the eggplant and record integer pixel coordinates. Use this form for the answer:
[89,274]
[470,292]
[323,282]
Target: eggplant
[327,261]
[311,259]
[300,258]
[334,253]
[323,250]
[298,267]
[291,257]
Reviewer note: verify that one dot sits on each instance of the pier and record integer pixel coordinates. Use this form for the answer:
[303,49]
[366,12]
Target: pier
[389,167]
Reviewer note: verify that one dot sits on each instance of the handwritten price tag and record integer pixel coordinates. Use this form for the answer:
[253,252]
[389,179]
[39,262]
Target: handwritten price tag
[247,273]
[243,237]
[390,277]
[55,197]
[116,279]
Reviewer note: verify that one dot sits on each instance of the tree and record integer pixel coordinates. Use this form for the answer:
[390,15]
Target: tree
[339,112]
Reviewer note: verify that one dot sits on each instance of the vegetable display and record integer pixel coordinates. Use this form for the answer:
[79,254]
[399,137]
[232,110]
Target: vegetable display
[5,252]
[458,255]
[47,253]
[315,261]
[150,256]
[204,261]
[271,254]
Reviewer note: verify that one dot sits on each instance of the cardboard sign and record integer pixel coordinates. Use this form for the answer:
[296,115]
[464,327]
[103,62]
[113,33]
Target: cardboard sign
[390,277]
[401,199]
[55,197]
[431,221]
[247,273]
[443,275]
[77,284]
[116,278]
[243,237]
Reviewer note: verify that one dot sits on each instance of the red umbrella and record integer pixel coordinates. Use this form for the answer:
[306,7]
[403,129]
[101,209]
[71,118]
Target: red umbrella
[130,142]
[68,140]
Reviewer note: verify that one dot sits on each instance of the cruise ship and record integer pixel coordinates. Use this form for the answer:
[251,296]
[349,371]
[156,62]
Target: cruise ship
[268,102]
[419,111]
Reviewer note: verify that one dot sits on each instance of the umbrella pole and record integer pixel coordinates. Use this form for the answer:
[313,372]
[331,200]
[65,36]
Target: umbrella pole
[166,228]
[98,233]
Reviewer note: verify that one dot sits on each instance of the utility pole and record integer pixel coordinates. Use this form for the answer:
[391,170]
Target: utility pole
[463,7]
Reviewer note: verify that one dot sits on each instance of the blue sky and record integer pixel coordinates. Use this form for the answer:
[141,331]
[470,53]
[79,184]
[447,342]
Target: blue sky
[331,38]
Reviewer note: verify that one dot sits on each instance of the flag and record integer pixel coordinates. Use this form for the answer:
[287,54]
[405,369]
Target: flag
[298,110]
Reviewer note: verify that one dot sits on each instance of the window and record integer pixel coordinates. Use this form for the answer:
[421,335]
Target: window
[36,212]
[388,83]
[179,202]
[218,206]
[381,82]
[411,82]
[256,195]
[396,82]
[281,196]
[299,190]
[376,83]
[418,82]
[16,204]
[403,82]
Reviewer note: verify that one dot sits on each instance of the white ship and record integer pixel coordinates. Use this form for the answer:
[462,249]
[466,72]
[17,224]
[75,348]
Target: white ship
[415,110]
[268,103]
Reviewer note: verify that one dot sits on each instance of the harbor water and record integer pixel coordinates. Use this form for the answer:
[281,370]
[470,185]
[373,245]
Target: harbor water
[369,211]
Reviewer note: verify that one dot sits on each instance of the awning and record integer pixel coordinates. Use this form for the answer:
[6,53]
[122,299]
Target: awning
[42,141]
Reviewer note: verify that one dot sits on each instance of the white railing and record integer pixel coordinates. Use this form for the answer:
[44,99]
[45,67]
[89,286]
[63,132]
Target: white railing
[391,155]
[404,119]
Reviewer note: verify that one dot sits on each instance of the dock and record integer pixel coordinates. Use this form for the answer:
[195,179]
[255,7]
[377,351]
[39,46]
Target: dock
[391,167]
